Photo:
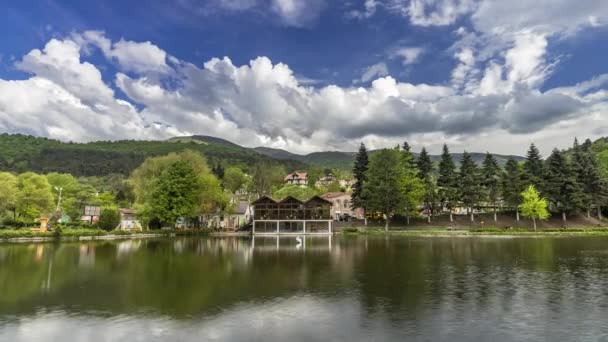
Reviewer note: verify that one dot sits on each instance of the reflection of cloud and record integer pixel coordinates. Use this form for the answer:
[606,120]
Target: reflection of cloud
[301,318]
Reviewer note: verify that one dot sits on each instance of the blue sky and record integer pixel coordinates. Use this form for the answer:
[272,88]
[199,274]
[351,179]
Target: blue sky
[309,75]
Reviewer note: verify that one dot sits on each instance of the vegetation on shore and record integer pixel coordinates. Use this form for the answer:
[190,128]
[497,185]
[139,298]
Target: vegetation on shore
[490,231]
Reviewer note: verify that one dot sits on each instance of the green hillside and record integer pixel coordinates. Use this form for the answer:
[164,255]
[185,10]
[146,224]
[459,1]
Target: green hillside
[345,160]
[21,153]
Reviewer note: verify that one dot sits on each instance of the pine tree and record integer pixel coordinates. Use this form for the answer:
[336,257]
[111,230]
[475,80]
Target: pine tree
[359,174]
[561,187]
[469,183]
[409,163]
[512,185]
[407,154]
[490,174]
[534,168]
[424,164]
[588,175]
[425,173]
[447,181]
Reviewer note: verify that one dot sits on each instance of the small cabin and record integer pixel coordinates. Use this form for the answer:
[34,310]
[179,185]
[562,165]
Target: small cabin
[292,216]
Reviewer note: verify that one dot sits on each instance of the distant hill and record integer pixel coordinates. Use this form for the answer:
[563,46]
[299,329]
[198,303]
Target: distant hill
[345,160]
[20,153]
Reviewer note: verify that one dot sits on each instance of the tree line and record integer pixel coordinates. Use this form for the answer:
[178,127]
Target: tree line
[393,182]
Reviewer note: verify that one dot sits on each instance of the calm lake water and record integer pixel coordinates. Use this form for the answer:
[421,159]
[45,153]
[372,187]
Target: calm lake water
[326,289]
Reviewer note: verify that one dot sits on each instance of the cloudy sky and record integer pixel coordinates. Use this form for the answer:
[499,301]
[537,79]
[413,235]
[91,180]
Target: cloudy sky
[309,75]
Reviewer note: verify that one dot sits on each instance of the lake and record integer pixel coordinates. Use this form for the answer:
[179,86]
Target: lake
[322,289]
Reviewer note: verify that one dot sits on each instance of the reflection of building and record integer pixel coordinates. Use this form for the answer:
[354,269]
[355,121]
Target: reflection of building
[292,216]
[340,206]
[297,178]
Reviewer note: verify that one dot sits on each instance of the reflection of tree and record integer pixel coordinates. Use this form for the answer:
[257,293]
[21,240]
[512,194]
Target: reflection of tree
[400,278]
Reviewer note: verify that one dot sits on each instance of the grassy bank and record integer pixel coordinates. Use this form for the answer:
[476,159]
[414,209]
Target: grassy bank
[476,232]
[6,234]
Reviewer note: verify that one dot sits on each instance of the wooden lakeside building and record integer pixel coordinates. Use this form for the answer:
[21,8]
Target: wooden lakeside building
[292,216]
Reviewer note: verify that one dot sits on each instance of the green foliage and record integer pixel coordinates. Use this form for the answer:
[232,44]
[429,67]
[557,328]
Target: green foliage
[175,193]
[424,164]
[469,182]
[34,196]
[303,193]
[534,168]
[109,218]
[447,181]
[266,177]
[512,184]
[560,185]
[588,175]
[360,176]
[8,191]
[533,206]
[490,178]
[20,153]
[234,179]
[391,187]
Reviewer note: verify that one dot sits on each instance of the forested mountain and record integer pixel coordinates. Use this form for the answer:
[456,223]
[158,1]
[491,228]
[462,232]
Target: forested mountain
[27,153]
[345,160]
[20,153]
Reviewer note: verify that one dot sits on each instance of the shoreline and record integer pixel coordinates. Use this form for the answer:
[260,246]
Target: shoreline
[438,233]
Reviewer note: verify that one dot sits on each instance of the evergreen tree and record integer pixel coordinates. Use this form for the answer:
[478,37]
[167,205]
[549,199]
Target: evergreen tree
[588,175]
[534,168]
[447,182]
[407,154]
[490,174]
[470,190]
[390,187]
[409,163]
[359,174]
[561,187]
[512,185]
[425,172]
[424,164]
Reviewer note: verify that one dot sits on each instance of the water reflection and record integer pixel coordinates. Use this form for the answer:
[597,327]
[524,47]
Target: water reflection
[315,289]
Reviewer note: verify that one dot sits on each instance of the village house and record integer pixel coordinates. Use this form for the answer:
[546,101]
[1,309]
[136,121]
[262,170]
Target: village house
[297,178]
[241,216]
[128,220]
[325,181]
[341,206]
[292,216]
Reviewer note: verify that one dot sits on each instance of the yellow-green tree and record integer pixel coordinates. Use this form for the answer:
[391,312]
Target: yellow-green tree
[8,191]
[34,196]
[533,206]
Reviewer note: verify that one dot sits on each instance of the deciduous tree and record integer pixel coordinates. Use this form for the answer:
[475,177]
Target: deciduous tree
[533,206]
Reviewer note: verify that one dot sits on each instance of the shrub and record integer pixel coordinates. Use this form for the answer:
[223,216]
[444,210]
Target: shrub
[109,218]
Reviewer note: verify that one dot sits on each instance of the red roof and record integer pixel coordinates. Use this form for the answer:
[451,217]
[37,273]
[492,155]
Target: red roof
[300,175]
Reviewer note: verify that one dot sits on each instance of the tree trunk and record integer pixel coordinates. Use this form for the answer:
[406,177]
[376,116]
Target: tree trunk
[517,214]
[451,216]
[428,217]
[534,222]
[472,216]
[588,213]
[563,219]
[599,212]
[495,218]
[408,219]
[365,220]
[386,224]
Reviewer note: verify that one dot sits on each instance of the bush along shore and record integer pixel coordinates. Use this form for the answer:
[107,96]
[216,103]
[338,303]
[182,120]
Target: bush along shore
[490,231]
[25,234]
